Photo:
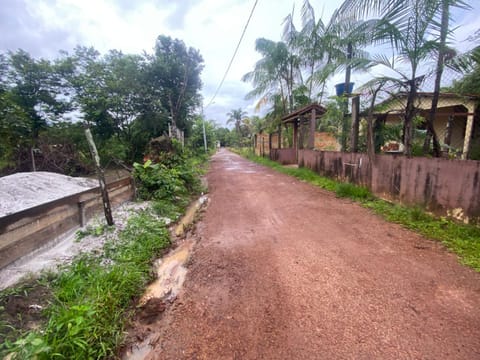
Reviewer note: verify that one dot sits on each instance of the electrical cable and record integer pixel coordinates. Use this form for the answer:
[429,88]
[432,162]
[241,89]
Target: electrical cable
[233,57]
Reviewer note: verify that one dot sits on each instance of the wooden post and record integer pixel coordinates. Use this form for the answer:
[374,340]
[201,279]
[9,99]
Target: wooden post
[311,135]
[295,138]
[269,143]
[448,131]
[279,136]
[468,136]
[101,177]
[355,124]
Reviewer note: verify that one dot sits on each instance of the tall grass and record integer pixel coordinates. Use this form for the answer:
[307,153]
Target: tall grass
[91,297]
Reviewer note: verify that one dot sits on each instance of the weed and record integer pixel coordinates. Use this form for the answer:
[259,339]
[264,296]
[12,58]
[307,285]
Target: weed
[91,298]
[97,230]
[347,190]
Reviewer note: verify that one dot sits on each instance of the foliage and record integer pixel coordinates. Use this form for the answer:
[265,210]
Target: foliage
[126,99]
[173,177]
[195,140]
[347,190]
[91,297]
[225,136]
[334,120]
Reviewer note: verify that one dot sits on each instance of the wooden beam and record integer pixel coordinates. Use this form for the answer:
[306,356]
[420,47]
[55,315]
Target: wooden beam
[311,134]
[355,124]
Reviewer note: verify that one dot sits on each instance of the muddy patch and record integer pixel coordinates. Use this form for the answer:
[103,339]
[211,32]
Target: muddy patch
[171,271]
[22,308]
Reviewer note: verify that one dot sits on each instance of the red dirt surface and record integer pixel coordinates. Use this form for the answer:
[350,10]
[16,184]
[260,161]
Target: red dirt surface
[284,270]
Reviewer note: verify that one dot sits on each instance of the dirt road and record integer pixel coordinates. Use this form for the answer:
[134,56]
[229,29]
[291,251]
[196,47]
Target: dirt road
[284,270]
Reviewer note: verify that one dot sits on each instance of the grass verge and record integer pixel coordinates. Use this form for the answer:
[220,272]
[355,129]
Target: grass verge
[462,239]
[86,305]
[91,298]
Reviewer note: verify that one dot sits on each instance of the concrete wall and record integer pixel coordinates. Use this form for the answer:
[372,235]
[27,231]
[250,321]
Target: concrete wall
[27,230]
[445,187]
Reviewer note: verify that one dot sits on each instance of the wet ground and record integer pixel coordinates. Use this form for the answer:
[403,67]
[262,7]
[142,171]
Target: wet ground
[279,269]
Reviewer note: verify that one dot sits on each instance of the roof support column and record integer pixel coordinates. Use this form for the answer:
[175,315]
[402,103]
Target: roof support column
[468,135]
[295,138]
[311,134]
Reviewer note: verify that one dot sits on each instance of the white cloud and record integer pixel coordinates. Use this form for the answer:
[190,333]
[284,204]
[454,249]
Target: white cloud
[43,27]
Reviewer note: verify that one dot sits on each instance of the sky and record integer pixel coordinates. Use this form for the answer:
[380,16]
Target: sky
[44,27]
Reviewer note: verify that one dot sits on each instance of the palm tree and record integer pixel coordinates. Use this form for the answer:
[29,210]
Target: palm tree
[442,53]
[273,73]
[409,26]
[236,116]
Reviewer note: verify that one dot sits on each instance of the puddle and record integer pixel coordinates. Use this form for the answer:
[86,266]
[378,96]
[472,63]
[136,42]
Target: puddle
[170,274]
[190,215]
[139,351]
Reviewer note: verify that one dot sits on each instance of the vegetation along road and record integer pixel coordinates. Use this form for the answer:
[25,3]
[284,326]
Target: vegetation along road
[284,270]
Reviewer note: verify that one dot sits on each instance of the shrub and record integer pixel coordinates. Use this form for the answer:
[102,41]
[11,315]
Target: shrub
[347,190]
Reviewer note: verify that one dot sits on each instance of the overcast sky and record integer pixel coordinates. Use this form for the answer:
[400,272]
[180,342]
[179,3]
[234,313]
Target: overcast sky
[43,27]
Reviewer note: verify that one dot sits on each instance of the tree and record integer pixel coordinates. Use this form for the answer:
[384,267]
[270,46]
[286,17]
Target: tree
[468,63]
[443,51]
[236,116]
[415,33]
[174,77]
[195,140]
[34,89]
[271,75]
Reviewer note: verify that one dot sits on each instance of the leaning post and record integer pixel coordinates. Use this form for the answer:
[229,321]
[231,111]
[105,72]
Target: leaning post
[101,177]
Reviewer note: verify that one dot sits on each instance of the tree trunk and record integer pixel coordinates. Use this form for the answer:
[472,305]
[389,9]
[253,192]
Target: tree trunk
[355,124]
[346,95]
[409,115]
[431,134]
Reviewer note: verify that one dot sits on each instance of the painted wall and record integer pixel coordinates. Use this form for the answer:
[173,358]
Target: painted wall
[444,187]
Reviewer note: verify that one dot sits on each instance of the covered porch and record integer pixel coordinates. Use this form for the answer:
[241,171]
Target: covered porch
[304,123]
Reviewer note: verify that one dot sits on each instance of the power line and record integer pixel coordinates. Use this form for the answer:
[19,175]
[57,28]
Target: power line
[233,57]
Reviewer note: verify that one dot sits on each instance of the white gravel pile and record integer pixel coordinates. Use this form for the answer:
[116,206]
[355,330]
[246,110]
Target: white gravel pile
[64,249]
[21,191]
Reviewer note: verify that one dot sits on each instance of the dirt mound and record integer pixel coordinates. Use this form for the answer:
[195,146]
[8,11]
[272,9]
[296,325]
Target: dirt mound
[21,191]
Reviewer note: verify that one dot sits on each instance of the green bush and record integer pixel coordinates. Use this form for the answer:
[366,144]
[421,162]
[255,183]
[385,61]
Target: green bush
[347,190]
[175,177]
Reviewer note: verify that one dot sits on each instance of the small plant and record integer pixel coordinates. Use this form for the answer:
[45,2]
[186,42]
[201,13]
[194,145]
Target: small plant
[347,190]
[97,230]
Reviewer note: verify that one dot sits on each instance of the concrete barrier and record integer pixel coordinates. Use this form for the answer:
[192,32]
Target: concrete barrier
[30,229]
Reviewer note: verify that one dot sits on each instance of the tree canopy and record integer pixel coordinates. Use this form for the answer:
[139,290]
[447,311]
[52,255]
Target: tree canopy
[125,98]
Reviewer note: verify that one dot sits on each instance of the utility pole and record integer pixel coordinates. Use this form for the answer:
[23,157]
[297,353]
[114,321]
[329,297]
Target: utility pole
[101,177]
[204,135]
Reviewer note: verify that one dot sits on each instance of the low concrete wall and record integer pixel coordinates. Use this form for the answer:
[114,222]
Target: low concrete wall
[283,156]
[27,230]
[444,187]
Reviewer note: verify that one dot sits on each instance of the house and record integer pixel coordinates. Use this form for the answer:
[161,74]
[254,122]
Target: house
[457,121]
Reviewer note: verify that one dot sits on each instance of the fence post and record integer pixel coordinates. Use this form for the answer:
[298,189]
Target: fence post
[101,177]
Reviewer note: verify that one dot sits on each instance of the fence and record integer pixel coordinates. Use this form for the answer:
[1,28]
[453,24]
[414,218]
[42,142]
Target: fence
[444,187]
[28,230]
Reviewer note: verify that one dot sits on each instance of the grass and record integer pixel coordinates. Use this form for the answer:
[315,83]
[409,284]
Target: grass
[91,300]
[93,295]
[462,239]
